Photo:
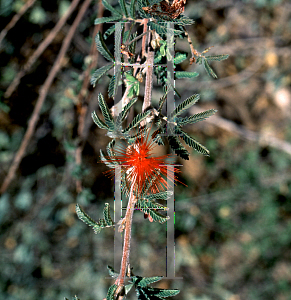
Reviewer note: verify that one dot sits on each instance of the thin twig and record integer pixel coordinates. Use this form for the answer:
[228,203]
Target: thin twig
[42,95]
[14,84]
[144,38]
[82,103]
[15,19]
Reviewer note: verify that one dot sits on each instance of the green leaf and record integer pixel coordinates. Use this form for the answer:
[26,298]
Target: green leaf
[217,57]
[99,73]
[102,48]
[184,74]
[162,30]
[178,148]
[179,57]
[107,20]
[142,13]
[136,121]
[192,143]
[111,292]
[167,293]
[196,118]
[106,214]
[98,122]
[208,69]
[111,87]
[123,7]
[124,112]
[185,105]
[106,162]
[106,112]
[147,293]
[109,7]
[148,280]
[183,20]
[86,219]
[159,196]
[150,208]
[111,272]
[132,9]
[109,31]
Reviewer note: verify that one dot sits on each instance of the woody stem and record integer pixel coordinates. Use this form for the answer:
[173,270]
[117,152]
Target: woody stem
[127,237]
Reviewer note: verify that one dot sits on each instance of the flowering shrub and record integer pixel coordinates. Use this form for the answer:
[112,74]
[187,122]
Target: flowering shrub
[144,177]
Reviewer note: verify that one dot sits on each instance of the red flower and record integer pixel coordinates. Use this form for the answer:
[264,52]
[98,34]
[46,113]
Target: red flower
[140,168]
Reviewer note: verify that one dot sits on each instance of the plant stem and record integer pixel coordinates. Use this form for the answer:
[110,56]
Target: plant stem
[127,236]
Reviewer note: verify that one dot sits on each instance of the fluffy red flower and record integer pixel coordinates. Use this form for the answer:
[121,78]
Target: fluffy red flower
[140,168]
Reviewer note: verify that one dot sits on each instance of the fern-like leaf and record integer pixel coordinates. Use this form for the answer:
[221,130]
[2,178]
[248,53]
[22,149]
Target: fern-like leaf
[109,31]
[192,143]
[132,9]
[109,7]
[124,112]
[137,120]
[147,293]
[111,90]
[184,74]
[178,148]
[150,208]
[86,219]
[162,30]
[185,105]
[102,48]
[99,73]
[159,196]
[183,20]
[217,57]
[106,214]
[107,19]
[143,282]
[98,122]
[123,7]
[179,57]
[196,118]
[106,112]
[208,69]
[111,292]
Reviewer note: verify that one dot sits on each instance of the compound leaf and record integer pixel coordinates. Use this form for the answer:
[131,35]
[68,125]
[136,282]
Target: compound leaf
[102,48]
[98,122]
[196,118]
[185,105]
[184,74]
[99,73]
[109,7]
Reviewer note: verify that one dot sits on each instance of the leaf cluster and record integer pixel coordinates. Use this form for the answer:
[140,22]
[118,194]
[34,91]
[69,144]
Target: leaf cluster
[142,288]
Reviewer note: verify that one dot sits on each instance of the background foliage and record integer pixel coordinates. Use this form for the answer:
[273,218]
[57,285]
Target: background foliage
[233,225]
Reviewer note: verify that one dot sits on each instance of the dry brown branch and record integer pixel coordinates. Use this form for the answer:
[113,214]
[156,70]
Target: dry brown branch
[258,137]
[82,103]
[15,19]
[42,95]
[149,80]
[14,84]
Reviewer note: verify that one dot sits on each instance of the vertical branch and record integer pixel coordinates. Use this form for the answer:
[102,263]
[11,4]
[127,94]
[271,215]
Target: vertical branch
[127,236]
[42,95]
[149,80]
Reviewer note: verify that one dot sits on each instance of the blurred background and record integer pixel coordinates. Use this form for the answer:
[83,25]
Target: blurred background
[233,221]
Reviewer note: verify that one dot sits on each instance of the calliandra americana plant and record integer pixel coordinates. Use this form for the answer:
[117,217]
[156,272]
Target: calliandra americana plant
[144,177]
